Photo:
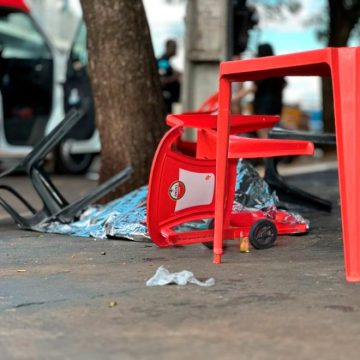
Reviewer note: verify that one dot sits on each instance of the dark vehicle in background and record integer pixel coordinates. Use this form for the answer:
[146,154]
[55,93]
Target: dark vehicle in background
[38,85]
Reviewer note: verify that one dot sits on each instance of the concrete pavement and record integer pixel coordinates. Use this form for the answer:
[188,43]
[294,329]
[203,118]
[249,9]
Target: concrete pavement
[288,302]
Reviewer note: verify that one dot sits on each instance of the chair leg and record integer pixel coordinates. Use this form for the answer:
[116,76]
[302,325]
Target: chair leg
[52,139]
[68,213]
[346,87]
[292,193]
[20,221]
[41,149]
[53,201]
[46,190]
[222,148]
[318,139]
[19,197]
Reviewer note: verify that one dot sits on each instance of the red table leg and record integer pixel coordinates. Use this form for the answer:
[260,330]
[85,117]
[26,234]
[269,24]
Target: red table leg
[346,85]
[221,165]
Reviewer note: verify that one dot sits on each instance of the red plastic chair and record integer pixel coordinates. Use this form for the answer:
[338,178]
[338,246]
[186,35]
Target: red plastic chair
[210,105]
[343,65]
[182,181]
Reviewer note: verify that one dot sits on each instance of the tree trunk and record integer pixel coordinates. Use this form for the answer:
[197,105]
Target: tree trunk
[129,106]
[340,26]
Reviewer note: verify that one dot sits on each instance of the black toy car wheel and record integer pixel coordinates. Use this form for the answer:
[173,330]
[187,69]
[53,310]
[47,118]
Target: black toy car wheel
[262,234]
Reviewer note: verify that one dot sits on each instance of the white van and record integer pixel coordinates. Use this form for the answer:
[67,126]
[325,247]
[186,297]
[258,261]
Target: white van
[38,85]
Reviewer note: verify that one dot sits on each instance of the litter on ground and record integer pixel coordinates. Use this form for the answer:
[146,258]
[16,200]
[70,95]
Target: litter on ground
[165,277]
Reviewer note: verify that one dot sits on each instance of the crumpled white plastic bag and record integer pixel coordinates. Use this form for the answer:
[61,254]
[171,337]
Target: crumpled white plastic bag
[164,277]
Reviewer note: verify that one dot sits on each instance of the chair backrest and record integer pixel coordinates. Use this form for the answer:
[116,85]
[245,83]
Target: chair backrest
[181,188]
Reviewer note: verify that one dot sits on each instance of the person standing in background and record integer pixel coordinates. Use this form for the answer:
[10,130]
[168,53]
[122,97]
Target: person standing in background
[169,77]
[268,93]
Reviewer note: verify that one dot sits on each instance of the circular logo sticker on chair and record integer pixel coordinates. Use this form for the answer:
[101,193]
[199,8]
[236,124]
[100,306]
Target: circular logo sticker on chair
[177,190]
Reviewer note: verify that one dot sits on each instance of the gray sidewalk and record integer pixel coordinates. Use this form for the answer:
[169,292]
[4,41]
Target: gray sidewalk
[288,302]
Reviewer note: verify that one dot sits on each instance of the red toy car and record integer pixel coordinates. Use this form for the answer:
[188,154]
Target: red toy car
[262,227]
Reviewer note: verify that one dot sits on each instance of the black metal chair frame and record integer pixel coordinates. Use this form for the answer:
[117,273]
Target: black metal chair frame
[55,206]
[276,182]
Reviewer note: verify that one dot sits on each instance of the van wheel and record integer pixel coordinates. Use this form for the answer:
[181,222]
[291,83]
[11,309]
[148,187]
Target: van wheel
[263,234]
[67,163]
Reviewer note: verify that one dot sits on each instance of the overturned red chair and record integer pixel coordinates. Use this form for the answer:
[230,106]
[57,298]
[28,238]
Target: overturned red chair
[183,175]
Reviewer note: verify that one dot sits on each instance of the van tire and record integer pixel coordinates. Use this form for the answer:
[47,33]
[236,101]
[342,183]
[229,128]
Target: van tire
[75,164]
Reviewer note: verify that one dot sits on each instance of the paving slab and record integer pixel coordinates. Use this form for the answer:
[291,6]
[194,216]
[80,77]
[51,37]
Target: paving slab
[80,298]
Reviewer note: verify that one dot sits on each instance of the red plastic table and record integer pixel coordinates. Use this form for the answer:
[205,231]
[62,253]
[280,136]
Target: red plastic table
[343,65]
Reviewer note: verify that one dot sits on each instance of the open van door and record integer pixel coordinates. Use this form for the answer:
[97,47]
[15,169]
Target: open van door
[26,80]
[37,89]
[77,93]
